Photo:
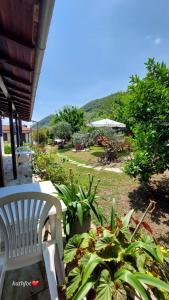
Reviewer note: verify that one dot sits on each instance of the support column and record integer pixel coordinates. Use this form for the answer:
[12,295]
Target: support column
[1,158]
[12,138]
[17,131]
[20,132]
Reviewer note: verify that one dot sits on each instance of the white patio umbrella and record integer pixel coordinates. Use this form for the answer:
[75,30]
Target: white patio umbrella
[106,123]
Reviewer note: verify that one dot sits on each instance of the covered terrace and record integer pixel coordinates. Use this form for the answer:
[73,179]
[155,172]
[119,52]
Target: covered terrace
[24,29]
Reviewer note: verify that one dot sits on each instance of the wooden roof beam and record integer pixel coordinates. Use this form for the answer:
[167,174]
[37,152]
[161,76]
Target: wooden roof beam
[3,87]
[16,64]
[17,39]
[19,94]
[22,100]
[7,74]
[22,87]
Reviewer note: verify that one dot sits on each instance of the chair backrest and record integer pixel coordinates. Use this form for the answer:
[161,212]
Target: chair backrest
[22,218]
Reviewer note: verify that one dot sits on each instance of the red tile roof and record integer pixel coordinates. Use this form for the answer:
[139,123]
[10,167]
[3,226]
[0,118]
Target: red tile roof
[6,129]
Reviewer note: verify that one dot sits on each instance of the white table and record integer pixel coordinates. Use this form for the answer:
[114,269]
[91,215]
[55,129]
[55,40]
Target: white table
[43,187]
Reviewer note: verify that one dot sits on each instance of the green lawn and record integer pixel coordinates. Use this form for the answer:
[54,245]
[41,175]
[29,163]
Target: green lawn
[112,185]
[127,192]
[86,157]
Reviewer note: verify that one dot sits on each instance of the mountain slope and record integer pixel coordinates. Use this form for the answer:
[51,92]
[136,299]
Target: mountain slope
[107,107]
[45,122]
[97,109]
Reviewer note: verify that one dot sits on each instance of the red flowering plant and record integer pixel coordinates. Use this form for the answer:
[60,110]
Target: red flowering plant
[117,262]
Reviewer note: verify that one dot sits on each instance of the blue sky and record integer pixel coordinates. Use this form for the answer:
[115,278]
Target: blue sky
[94,46]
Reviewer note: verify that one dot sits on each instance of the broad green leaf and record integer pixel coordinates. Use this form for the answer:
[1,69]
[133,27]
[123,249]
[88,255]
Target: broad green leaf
[87,237]
[84,289]
[93,261]
[151,251]
[140,262]
[126,219]
[74,279]
[105,286]
[71,248]
[120,293]
[104,242]
[150,280]
[132,280]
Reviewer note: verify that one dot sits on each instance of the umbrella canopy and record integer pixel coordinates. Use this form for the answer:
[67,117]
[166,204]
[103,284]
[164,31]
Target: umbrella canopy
[106,123]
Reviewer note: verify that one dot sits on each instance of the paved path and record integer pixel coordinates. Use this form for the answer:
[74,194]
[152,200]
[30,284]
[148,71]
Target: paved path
[99,168]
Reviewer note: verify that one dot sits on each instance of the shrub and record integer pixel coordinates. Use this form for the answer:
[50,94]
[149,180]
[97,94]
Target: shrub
[48,167]
[63,130]
[40,135]
[7,148]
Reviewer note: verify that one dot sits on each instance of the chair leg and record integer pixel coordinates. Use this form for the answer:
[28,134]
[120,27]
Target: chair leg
[59,265]
[2,278]
[48,255]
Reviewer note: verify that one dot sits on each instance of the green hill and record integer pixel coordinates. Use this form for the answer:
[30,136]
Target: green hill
[45,122]
[106,107]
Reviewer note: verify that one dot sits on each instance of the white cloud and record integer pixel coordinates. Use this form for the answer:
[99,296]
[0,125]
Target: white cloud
[157,41]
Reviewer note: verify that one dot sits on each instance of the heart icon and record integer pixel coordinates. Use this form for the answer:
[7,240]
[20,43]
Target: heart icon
[35,282]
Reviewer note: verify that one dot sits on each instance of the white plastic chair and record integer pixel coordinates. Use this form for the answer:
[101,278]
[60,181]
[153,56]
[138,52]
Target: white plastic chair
[22,218]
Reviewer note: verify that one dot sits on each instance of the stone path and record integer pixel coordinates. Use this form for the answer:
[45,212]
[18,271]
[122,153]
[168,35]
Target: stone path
[97,168]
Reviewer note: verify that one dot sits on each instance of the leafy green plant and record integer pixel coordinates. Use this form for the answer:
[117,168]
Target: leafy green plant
[48,167]
[72,115]
[148,114]
[63,130]
[79,202]
[117,262]
[7,148]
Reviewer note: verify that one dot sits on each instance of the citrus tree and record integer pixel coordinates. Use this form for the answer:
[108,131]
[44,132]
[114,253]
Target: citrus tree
[148,116]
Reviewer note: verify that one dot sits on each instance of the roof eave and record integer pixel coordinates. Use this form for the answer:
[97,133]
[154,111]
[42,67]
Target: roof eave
[44,24]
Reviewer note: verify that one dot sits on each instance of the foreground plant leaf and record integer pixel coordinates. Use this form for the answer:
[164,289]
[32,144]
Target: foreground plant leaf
[105,288]
[104,242]
[150,280]
[71,248]
[113,215]
[151,251]
[131,279]
[75,277]
[84,289]
[80,213]
[126,219]
[93,261]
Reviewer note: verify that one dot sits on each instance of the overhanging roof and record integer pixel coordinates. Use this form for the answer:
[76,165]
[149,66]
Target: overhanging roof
[24,26]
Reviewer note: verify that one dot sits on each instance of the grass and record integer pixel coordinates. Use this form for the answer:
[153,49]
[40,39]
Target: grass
[127,192]
[86,157]
[112,185]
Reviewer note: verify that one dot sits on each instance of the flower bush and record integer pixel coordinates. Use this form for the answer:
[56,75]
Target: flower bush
[117,262]
[48,167]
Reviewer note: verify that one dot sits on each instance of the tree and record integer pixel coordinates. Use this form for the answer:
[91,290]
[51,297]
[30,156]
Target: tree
[40,136]
[148,115]
[72,115]
[63,130]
